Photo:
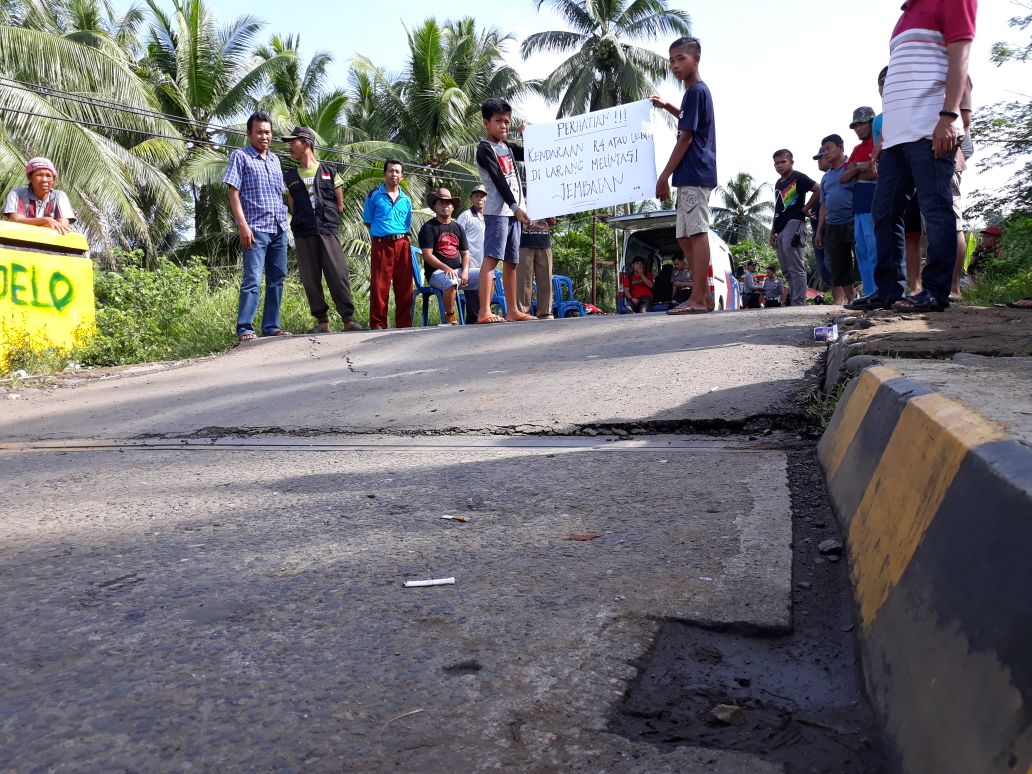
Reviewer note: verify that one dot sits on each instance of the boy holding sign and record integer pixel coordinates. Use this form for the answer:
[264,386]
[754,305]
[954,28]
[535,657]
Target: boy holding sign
[693,163]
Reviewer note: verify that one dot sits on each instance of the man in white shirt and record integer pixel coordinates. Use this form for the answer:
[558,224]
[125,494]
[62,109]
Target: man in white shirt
[472,222]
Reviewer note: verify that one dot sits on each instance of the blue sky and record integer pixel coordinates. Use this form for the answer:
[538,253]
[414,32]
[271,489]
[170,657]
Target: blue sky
[783,74]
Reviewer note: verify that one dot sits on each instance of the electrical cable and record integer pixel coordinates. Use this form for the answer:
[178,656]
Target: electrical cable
[217,129]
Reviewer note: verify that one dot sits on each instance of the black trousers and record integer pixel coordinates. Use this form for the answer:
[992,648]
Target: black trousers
[319,256]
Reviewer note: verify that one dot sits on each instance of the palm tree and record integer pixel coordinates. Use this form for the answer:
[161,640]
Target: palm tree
[604,70]
[432,109]
[744,216]
[65,85]
[205,74]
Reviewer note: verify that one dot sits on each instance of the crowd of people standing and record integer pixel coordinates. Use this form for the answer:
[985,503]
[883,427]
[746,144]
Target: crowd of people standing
[867,210]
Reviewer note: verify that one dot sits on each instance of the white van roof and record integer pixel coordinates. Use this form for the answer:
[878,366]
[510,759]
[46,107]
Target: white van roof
[639,220]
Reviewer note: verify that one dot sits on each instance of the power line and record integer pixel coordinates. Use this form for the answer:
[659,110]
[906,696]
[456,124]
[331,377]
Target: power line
[218,145]
[217,129]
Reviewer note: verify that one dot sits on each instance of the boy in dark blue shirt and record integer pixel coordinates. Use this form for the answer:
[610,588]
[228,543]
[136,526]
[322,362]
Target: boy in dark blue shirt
[693,163]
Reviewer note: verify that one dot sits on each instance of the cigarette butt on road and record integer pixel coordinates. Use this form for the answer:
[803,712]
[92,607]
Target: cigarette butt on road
[430,582]
[449,517]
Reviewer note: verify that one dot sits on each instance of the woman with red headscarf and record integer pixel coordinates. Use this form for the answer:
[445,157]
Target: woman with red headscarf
[40,204]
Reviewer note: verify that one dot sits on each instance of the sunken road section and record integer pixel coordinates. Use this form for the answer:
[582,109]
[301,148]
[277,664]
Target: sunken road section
[936,503]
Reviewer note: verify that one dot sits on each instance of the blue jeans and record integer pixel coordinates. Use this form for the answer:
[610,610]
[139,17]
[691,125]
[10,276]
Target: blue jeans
[268,254]
[901,169]
[865,249]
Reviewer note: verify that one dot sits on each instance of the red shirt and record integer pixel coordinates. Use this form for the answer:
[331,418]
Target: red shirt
[638,287]
[863,151]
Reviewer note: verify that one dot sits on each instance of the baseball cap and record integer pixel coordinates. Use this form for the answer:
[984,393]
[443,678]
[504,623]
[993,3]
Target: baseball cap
[478,189]
[862,115]
[993,231]
[300,133]
[820,154]
[39,163]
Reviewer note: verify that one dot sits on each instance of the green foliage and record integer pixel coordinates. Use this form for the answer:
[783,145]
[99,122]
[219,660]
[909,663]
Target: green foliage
[1009,276]
[178,311]
[821,407]
[22,353]
[604,69]
[761,252]
[571,257]
[1006,130]
[743,215]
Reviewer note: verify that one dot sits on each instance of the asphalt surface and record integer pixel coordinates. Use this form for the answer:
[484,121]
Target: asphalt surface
[230,598]
[525,377]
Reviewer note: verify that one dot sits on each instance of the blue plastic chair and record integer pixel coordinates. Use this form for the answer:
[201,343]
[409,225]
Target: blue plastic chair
[498,296]
[424,292]
[563,301]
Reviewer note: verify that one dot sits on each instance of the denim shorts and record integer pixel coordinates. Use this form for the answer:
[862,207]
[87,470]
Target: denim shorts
[502,238]
[441,281]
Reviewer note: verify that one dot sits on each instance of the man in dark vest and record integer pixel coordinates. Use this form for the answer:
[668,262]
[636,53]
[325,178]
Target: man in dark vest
[316,202]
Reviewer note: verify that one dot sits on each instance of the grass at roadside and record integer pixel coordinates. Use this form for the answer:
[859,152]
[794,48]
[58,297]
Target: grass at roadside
[170,313]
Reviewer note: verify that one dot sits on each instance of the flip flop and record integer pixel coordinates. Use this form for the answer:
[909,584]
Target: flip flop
[688,310]
[317,329]
[247,337]
[523,317]
[492,319]
[1022,303]
[282,332]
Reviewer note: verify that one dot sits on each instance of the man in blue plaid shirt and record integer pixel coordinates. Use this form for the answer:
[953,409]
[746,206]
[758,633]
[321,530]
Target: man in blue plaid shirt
[255,182]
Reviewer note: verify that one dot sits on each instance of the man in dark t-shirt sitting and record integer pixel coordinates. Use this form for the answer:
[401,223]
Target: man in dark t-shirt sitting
[445,251]
[788,232]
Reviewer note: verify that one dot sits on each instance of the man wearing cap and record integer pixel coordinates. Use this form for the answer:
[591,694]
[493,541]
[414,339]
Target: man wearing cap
[40,204]
[928,63]
[472,222]
[752,291]
[859,168]
[988,248]
[388,216]
[255,181]
[789,227]
[814,215]
[315,200]
[445,251]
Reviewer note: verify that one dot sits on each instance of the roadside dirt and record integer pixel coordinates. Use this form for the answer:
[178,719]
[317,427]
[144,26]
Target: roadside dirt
[991,331]
[799,695]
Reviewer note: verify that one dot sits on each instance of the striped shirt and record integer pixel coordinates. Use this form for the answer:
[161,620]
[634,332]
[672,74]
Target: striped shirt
[260,183]
[25,202]
[915,87]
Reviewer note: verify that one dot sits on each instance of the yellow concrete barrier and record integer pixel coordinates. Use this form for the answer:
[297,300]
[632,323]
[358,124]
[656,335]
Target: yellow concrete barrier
[46,290]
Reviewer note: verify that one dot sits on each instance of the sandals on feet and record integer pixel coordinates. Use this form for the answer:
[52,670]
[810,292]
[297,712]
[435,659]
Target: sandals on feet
[1022,303]
[492,319]
[920,302]
[249,336]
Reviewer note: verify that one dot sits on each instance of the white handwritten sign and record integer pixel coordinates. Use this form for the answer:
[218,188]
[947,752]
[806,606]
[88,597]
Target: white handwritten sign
[595,160]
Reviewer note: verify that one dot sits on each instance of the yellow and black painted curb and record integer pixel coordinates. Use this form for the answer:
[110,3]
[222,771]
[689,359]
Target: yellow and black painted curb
[935,501]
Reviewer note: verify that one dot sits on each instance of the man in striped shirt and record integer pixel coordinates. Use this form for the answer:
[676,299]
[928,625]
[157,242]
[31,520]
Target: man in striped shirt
[928,63]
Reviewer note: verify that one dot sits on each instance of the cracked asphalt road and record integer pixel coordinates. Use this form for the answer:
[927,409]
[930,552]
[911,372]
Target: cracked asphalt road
[240,607]
[532,377]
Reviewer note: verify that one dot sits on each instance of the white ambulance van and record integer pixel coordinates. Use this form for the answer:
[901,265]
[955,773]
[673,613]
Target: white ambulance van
[652,236]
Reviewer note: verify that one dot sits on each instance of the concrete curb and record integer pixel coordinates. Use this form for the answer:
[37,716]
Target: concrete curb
[935,501]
